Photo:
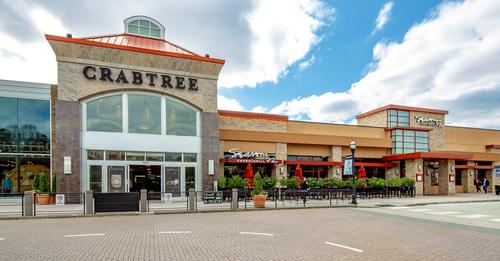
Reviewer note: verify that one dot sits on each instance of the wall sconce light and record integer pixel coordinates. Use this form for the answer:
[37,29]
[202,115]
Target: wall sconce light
[452,169]
[282,170]
[338,171]
[419,167]
[397,172]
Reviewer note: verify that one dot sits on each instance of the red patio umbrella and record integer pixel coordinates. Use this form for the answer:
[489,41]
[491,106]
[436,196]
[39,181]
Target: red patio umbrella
[249,175]
[298,173]
[362,172]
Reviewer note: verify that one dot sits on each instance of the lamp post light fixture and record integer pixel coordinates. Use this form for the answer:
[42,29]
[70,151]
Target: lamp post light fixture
[353,150]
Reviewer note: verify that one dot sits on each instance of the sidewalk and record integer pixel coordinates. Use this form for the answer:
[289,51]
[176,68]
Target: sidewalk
[428,200]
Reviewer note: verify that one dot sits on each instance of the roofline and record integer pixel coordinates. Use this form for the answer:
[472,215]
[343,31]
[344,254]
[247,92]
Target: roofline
[253,115]
[476,128]
[132,49]
[429,155]
[400,107]
[493,146]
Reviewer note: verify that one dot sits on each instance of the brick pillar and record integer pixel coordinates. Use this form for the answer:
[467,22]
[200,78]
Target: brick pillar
[412,168]
[489,176]
[427,187]
[280,170]
[468,178]
[335,156]
[446,167]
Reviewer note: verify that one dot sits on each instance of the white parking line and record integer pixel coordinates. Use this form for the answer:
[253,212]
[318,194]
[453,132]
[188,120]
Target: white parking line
[474,216]
[1,238]
[256,233]
[346,247]
[175,232]
[442,213]
[396,208]
[419,210]
[495,220]
[85,235]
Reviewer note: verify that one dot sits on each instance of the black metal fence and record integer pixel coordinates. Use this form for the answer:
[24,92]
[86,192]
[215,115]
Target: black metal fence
[11,204]
[167,202]
[58,204]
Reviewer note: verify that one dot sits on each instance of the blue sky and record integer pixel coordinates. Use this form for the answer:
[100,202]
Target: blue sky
[318,60]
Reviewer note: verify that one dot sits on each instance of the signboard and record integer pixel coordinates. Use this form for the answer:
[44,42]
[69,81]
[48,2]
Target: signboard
[348,165]
[168,198]
[249,157]
[212,197]
[419,177]
[59,199]
[67,165]
[428,121]
[211,169]
[496,171]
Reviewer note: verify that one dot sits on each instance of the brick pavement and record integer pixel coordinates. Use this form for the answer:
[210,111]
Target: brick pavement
[298,235]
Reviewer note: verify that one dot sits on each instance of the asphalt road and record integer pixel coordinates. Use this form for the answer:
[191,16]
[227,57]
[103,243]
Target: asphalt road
[301,234]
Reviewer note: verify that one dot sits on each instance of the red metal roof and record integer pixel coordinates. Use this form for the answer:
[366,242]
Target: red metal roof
[140,42]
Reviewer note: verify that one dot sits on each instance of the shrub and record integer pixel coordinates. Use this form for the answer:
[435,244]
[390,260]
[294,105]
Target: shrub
[333,182]
[269,182]
[346,183]
[394,182]
[289,182]
[407,182]
[237,182]
[258,183]
[376,182]
[41,183]
[222,182]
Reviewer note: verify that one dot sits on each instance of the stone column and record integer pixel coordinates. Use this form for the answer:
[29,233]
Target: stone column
[335,156]
[468,178]
[393,172]
[144,201]
[446,167]
[191,200]
[28,204]
[489,176]
[209,148]
[234,199]
[427,181]
[412,168]
[280,170]
[89,202]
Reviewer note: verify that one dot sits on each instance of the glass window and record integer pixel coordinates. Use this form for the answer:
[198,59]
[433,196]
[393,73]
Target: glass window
[155,32]
[144,114]
[173,156]
[422,146]
[422,134]
[421,139]
[105,114]
[393,112]
[133,29]
[115,155]
[154,156]
[409,133]
[189,157]
[410,145]
[408,139]
[96,178]
[404,113]
[144,23]
[181,119]
[8,174]
[95,155]
[137,156]
[8,124]
[29,168]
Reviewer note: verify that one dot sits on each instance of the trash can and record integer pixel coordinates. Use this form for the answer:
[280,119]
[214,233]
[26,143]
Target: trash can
[497,189]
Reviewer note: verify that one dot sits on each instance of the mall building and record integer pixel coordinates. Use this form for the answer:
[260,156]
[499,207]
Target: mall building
[133,111]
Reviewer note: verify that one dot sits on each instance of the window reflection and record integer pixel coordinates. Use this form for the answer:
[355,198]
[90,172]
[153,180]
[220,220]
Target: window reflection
[34,125]
[105,114]
[29,166]
[8,124]
[8,174]
[181,119]
[144,114]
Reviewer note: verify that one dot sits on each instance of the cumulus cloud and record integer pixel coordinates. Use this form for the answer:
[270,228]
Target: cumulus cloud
[224,103]
[305,64]
[383,17]
[449,61]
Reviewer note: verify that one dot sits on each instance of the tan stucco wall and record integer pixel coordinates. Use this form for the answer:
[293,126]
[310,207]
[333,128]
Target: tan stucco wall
[470,139]
[335,130]
[378,119]
[308,150]
[236,123]
[366,152]
[436,135]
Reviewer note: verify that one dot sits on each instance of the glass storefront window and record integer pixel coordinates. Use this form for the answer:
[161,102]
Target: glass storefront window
[154,156]
[29,167]
[144,114]
[115,155]
[105,114]
[180,119]
[95,155]
[96,178]
[189,157]
[135,156]
[8,174]
[8,124]
[34,125]
[173,156]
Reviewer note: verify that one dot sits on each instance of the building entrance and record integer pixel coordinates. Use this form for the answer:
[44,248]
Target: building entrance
[145,177]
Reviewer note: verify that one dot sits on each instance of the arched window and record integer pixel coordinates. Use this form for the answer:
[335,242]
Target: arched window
[181,119]
[144,114]
[144,26]
[105,114]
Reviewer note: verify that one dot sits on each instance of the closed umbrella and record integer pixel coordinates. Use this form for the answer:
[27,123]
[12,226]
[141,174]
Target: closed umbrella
[249,175]
[362,173]
[298,173]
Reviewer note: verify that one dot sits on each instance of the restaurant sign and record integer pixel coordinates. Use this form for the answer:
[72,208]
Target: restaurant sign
[428,121]
[249,157]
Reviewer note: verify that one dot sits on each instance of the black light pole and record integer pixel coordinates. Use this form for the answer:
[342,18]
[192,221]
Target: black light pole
[353,149]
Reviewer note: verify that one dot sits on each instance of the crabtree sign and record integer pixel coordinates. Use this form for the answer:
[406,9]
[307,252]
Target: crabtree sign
[428,121]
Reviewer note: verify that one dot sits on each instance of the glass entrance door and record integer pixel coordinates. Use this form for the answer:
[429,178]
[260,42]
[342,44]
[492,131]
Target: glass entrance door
[95,178]
[173,181]
[190,173]
[145,177]
[116,179]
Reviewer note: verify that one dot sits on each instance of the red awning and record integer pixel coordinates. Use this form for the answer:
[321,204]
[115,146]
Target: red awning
[253,161]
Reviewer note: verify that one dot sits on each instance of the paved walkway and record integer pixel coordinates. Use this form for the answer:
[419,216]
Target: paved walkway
[427,200]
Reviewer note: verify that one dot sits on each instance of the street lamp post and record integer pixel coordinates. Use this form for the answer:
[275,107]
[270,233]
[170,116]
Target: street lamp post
[353,150]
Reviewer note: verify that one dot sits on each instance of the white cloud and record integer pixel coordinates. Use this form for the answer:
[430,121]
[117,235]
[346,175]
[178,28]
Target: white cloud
[260,109]
[283,32]
[305,64]
[450,61]
[383,17]
[224,103]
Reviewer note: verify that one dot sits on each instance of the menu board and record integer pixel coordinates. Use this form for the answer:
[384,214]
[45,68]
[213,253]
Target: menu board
[212,197]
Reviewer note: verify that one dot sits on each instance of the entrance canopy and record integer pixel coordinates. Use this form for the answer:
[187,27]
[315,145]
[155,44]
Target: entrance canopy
[429,155]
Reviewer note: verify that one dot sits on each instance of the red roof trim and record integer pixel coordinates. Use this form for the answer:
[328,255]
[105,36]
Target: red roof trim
[132,49]
[253,115]
[400,107]
[408,128]
[429,155]
[493,146]
[473,167]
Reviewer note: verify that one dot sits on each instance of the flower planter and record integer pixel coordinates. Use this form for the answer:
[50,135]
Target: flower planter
[259,201]
[42,199]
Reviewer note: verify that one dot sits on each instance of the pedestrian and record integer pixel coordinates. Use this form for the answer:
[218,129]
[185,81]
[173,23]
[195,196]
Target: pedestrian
[303,188]
[486,183]
[477,182]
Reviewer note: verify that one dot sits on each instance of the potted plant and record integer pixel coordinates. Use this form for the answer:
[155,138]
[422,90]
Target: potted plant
[41,187]
[258,194]
[333,182]
[222,182]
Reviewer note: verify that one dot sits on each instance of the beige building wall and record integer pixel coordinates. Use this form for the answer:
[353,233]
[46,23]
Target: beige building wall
[236,123]
[378,119]
[470,139]
[308,150]
[343,130]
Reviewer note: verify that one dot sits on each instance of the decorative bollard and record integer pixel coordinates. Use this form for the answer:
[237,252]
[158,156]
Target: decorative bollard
[28,204]
[144,201]
[89,202]
[234,199]
[191,200]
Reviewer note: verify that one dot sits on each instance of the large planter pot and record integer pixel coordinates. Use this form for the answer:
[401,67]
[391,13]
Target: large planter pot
[42,199]
[259,201]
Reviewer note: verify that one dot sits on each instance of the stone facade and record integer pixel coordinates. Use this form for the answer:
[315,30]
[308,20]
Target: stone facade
[414,167]
[437,134]
[281,154]
[378,119]
[210,147]
[335,156]
[233,123]
[393,172]
[446,168]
